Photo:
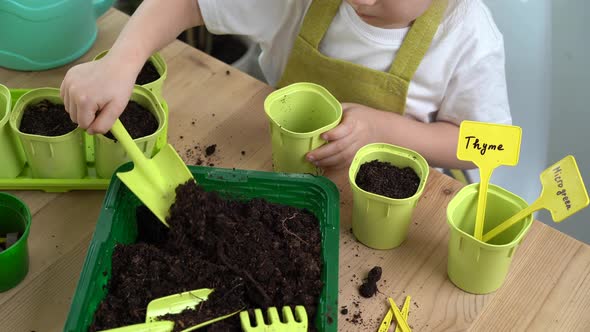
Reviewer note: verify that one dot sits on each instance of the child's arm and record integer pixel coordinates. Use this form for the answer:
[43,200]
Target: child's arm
[106,85]
[362,125]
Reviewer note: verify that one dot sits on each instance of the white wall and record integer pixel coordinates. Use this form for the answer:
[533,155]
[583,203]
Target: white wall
[569,130]
[548,74]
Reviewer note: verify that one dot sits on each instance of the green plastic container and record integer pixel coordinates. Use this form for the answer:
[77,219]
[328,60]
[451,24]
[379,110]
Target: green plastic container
[116,224]
[299,114]
[59,157]
[43,34]
[14,261]
[381,222]
[12,161]
[474,266]
[26,181]
[109,154]
[156,87]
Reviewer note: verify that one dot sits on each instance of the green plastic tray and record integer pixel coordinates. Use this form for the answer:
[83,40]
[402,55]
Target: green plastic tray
[24,181]
[117,224]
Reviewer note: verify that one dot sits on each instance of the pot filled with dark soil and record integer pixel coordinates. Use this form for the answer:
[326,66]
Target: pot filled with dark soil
[386,182]
[152,74]
[145,120]
[15,222]
[53,144]
[12,159]
[234,232]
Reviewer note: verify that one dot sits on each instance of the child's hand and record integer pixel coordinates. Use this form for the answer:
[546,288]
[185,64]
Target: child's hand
[357,129]
[96,93]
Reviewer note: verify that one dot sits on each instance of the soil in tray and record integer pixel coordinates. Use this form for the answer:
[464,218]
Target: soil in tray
[138,121]
[46,119]
[385,179]
[148,74]
[255,254]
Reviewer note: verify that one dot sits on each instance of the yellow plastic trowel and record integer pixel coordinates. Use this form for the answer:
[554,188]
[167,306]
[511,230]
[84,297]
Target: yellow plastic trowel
[487,146]
[563,193]
[154,180]
[172,304]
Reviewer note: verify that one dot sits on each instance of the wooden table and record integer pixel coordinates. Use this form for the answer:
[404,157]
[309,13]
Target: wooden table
[547,289]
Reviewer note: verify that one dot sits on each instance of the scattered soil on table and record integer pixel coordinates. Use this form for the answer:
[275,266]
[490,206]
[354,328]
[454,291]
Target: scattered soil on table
[210,150]
[201,155]
[138,121]
[46,119]
[255,254]
[385,179]
[369,287]
[148,74]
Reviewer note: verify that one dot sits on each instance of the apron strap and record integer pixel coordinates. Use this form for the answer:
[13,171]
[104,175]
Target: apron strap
[417,41]
[315,24]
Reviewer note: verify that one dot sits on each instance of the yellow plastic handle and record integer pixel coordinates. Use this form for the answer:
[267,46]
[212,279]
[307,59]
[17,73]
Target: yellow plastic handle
[401,322]
[386,323]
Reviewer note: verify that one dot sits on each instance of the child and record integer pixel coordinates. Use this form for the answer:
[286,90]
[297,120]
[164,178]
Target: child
[407,71]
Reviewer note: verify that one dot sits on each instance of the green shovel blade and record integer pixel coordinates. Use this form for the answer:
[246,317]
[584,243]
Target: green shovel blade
[153,181]
[177,303]
[162,326]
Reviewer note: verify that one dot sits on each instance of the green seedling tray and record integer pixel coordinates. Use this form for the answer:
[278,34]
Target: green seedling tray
[25,181]
[117,224]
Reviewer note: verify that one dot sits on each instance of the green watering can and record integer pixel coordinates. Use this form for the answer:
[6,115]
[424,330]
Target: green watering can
[44,34]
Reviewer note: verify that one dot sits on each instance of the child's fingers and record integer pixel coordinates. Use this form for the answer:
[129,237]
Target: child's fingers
[106,118]
[342,130]
[70,106]
[328,150]
[85,111]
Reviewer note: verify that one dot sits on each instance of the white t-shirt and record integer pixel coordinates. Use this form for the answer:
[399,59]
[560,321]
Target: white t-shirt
[462,76]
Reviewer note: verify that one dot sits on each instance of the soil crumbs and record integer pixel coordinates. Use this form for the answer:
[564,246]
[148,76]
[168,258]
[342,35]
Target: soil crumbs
[46,119]
[138,121]
[201,155]
[385,179]
[255,254]
[148,74]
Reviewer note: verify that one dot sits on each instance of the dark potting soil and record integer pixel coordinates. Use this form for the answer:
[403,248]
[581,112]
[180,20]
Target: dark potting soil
[46,119]
[254,254]
[385,179]
[369,287]
[148,74]
[138,121]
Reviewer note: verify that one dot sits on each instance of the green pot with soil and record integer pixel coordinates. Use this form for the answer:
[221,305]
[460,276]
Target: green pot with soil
[298,115]
[15,223]
[475,266]
[12,158]
[387,182]
[53,144]
[145,120]
[152,74]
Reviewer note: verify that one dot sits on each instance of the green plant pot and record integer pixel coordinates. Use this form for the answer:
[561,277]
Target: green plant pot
[158,61]
[109,154]
[381,222]
[156,87]
[474,266]
[58,157]
[15,217]
[298,115]
[12,159]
